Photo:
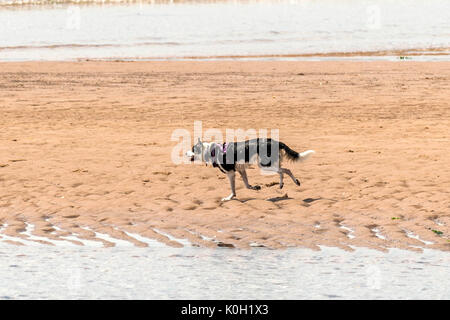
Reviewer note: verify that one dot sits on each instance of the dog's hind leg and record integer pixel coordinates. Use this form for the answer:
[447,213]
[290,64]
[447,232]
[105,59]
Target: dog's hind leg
[281,178]
[275,169]
[231,177]
[281,171]
[289,173]
[243,174]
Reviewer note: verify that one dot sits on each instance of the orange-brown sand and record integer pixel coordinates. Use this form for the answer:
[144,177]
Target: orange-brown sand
[87,144]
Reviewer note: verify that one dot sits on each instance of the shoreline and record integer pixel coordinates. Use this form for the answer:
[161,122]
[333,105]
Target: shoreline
[26,238]
[429,54]
[389,54]
[86,149]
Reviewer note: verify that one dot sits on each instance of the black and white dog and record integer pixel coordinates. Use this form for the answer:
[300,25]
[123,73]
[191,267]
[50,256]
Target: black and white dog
[236,156]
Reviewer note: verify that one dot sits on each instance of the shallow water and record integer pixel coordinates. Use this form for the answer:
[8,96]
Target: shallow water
[45,272]
[220,28]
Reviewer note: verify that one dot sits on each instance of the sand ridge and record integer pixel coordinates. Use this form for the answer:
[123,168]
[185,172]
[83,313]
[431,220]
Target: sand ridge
[85,149]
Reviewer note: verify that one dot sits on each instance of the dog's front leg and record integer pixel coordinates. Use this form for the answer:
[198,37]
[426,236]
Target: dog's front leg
[231,177]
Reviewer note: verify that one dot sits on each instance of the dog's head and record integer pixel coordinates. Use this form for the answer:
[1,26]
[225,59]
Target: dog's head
[198,151]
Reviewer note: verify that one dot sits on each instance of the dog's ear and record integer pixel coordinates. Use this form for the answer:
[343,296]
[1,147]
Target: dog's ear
[199,140]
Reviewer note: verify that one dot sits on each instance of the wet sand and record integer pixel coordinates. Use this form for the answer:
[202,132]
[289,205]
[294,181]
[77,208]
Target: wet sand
[86,150]
[388,55]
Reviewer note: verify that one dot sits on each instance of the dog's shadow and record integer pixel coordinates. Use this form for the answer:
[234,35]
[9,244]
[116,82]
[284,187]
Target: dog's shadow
[274,199]
[281,198]
[307,201]
[245,200]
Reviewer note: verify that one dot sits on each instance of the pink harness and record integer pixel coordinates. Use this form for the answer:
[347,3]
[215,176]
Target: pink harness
[223,148]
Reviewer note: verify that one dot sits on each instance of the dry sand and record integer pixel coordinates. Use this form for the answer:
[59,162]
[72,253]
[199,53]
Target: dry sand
[87,144]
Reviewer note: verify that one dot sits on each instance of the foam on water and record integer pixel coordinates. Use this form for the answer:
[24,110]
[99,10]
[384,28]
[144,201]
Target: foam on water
[74,237]
[15,239]
[203,237]
[29,233]
[150,242]
[378,234]
[107,237]
[184,242]
[350,231]
[412,235]
[34,240]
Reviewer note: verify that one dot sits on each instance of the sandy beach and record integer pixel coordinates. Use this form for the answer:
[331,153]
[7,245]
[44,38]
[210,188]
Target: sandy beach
[85,147]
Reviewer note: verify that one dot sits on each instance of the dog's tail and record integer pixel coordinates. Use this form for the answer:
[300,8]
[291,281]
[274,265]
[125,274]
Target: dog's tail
[294,155]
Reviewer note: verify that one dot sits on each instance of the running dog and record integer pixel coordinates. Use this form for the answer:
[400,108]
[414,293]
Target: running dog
[236,156]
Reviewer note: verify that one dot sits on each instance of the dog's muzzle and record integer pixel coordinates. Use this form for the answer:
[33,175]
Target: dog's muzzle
[191,155]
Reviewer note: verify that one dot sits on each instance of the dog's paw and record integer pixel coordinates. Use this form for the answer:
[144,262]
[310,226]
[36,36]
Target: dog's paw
[297,182]
[230,197]
[281,185]
[256,187]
